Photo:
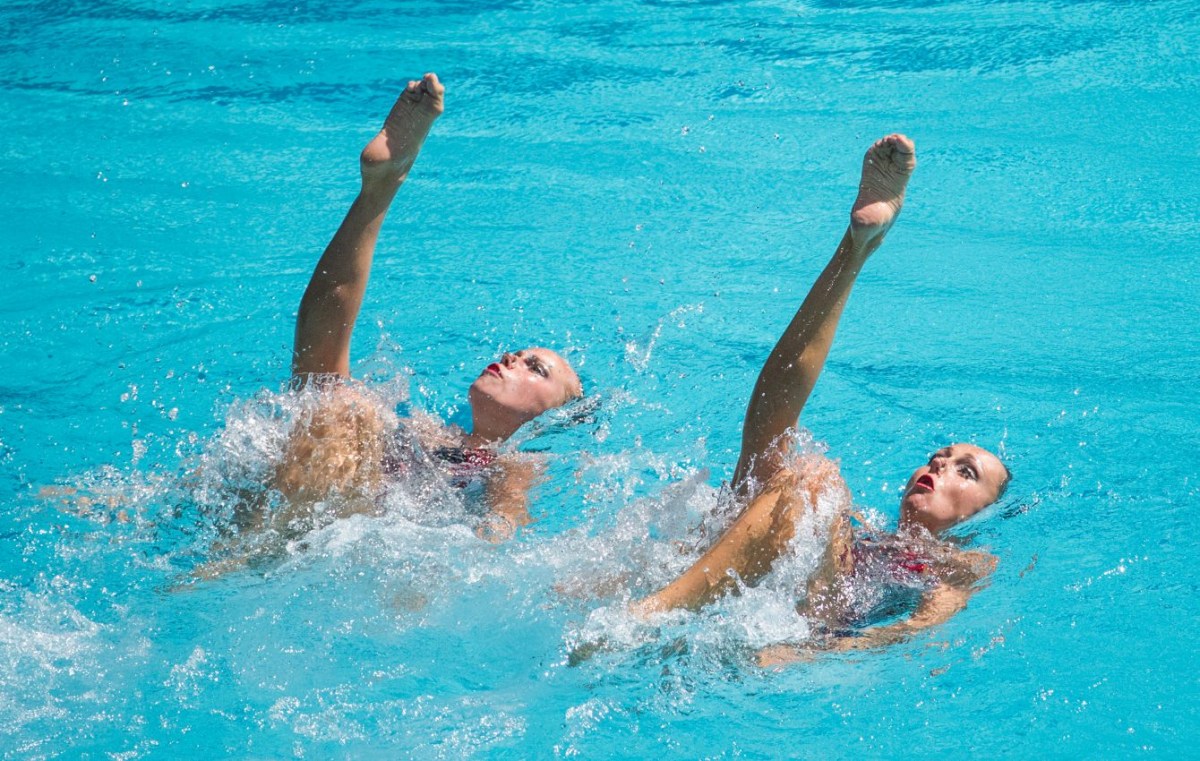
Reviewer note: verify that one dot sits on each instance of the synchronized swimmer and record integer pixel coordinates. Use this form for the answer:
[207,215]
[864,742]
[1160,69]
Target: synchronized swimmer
[343,447]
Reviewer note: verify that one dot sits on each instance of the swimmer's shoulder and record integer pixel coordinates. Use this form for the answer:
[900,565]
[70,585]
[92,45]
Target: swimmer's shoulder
[934,560]
[431,432]
[969,567]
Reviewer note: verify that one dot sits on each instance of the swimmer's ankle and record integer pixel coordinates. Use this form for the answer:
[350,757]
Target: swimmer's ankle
[858,248]
[381,181]
[379,189]
[387,159]
[887,167]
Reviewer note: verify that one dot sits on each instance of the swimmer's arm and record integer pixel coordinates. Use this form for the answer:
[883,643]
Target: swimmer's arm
[938,606]
[507,491]
[746,550]
[70,500]
[961,577]
[792,369]
[968,568]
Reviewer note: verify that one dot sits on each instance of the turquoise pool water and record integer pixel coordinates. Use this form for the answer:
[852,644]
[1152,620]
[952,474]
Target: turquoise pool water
[652,186]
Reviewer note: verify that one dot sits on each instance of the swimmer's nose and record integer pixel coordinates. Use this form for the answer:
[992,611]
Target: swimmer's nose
[508,359]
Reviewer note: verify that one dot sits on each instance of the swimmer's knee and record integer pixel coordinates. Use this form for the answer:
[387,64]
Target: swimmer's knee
[807,478]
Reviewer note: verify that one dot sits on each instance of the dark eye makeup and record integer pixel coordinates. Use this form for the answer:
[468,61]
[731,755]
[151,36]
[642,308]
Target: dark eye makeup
[536,365]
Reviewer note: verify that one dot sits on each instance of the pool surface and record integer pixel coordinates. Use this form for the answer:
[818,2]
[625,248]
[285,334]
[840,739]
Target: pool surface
[649,187]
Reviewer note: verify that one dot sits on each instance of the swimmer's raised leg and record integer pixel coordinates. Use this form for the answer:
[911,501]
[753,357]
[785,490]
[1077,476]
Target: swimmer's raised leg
[760,534]
[886,169]
[334,296]
[792,369]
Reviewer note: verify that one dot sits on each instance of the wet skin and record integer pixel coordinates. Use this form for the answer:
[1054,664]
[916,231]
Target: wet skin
[518,388]
[957,482]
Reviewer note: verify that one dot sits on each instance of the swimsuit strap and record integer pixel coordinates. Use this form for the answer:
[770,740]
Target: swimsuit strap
[910,561]
[466,463]
[899,560]
[471,457]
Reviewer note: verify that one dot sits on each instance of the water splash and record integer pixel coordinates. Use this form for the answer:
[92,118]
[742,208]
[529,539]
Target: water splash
[639,355]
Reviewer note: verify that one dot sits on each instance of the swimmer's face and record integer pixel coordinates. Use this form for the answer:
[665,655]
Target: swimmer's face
[518,388]
[957,482]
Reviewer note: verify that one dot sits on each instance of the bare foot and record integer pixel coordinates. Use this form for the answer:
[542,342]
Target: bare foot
[886,169]
[390,154]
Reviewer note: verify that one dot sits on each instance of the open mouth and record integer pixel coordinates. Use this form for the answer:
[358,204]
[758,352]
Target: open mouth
[493,368]
[924,482]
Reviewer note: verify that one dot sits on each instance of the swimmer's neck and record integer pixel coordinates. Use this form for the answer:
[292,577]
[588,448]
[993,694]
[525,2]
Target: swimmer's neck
[492,430]
[475,440]
[912,526]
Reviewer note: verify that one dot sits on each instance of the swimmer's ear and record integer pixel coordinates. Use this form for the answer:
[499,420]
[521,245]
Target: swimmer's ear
[581,410]
[1015,506]
[967,530]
